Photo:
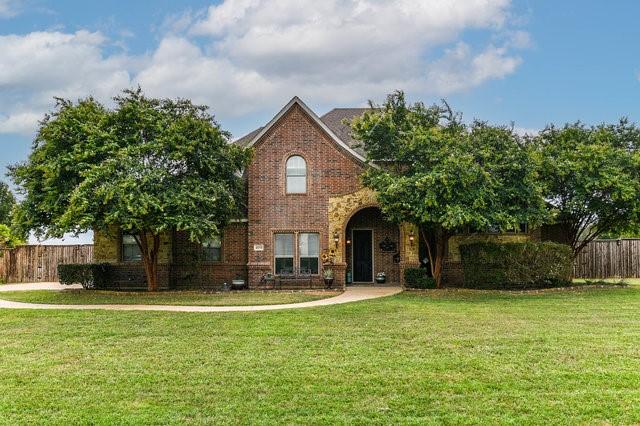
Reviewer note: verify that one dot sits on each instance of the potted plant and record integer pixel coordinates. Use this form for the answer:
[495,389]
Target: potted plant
[381,277]
[327,274]
[237,283]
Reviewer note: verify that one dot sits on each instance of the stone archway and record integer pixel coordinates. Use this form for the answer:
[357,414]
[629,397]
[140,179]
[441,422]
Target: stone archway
[343,207]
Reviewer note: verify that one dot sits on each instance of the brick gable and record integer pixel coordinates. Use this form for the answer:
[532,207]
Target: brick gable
[331,171]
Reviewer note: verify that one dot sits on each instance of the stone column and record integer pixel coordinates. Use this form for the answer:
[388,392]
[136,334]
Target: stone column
[409,250]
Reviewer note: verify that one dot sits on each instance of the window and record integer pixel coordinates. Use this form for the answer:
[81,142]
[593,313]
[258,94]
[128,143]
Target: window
[130,250]
[309,251]
[296,175]
[283,253]
[211,250]
[308,255]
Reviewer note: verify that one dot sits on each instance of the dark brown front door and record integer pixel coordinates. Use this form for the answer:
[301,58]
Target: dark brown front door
[362,256]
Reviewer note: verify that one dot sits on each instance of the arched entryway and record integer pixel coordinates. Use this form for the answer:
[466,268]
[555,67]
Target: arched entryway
[345,207]
[371,247]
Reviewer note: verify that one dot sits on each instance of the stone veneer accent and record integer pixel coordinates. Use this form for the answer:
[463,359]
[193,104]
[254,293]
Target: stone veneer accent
[342,208]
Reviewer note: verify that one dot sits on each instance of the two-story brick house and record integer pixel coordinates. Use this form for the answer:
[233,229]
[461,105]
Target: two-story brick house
[304,199]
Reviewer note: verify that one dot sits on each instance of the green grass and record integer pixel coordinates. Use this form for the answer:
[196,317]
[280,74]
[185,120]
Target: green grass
[628,281]
[454,357]
[96,297]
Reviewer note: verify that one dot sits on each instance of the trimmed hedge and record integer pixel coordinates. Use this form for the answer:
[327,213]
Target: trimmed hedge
[516,266]
[417,278]
[90,275]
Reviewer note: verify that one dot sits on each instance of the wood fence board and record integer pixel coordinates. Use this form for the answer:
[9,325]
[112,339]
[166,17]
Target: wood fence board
[609,259]
[39,263]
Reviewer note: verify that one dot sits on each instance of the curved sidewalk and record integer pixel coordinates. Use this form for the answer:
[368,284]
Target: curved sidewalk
[351,294]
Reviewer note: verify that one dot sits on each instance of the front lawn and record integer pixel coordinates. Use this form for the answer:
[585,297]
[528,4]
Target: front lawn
[557,357]
[97,297]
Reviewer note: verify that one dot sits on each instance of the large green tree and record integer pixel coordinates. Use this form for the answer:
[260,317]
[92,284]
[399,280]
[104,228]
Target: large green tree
[7,203]
[431,169]
[147,166]
[591,176]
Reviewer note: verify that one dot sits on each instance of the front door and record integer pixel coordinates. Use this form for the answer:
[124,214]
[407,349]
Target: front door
[362,256]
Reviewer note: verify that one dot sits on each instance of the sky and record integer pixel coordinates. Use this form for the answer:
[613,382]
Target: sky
[529,63]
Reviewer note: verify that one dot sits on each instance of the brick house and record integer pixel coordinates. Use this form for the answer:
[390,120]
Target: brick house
[304,200]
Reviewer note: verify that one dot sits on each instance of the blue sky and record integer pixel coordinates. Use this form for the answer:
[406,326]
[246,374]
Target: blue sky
[527,62]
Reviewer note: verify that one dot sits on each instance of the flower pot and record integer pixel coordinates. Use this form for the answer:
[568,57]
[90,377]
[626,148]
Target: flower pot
[381,280]
[237,284]
[328,282]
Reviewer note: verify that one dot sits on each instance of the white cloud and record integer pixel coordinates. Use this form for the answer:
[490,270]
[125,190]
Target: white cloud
[338,37]
[179,68]
[9,8]
[250,56]
[459,69]
[19,122]
[36,67]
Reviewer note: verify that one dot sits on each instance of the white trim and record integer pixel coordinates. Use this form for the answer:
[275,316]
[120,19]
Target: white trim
[373,256]
[316,119]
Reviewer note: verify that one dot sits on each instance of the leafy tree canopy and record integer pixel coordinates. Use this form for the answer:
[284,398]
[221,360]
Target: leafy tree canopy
[147,166]
[591,176]
[8,238]
[444,175]
[7,203]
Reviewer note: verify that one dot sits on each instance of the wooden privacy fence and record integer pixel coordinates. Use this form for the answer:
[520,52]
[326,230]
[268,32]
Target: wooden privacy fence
[609,259]
[39,263]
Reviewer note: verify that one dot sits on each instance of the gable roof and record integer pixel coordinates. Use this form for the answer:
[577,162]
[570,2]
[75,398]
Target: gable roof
[331,123]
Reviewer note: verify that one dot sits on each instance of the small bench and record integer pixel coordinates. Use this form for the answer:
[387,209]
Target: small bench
[295,275]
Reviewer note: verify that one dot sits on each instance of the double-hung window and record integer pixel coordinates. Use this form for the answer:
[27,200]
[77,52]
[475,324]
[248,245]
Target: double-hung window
[309,251]
[211,250]
[296,172]
[130,250]
[283,253]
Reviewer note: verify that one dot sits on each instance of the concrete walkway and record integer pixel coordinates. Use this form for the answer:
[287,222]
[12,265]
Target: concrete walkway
[352,294]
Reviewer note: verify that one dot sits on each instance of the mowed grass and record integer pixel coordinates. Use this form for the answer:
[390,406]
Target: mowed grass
[557,357]
[232,298]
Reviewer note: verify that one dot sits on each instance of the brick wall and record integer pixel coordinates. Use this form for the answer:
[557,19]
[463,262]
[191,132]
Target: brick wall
[330,171]
[189,271]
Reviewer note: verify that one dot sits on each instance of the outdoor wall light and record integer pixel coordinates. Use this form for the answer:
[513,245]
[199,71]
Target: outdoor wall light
[411,238]
[348,241]
[336,238]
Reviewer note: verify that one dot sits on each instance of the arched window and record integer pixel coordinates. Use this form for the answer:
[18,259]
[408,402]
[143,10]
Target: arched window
[296,175]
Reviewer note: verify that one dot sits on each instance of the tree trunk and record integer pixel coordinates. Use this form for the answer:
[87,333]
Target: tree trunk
[436,260]
[149,258]
[441,243]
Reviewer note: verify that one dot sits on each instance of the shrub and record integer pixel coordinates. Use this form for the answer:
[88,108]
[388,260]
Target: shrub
[89,275]
[516,266]
[417,278]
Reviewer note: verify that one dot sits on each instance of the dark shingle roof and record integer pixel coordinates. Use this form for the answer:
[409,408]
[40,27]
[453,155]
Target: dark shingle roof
[334,120]
[244,141]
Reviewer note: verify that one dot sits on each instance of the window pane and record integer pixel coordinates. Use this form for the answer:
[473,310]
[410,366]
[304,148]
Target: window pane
[310,263]
[211,249]
[296,166]
[284,264]
[284,245]
[296,184]
[309,245]
[130,250]
[128,239]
